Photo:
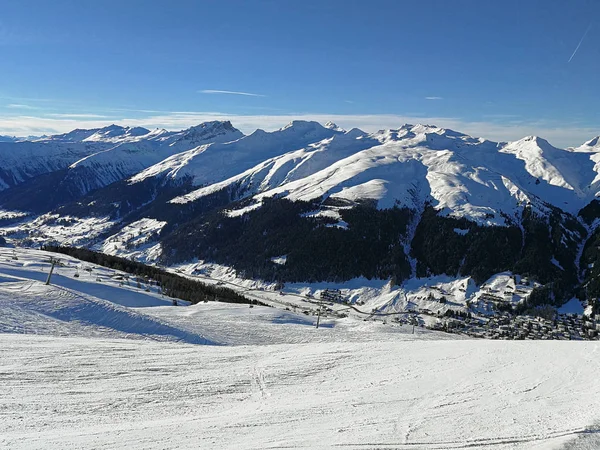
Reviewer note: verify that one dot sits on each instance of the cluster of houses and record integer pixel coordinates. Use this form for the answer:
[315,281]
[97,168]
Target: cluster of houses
[507,326]
[485,318]
[332,295]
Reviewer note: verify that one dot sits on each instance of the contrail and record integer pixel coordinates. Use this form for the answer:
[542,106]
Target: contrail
[582,38]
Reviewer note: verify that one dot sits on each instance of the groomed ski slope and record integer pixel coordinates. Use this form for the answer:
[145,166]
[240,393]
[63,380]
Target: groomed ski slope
[90,363]
[65,393]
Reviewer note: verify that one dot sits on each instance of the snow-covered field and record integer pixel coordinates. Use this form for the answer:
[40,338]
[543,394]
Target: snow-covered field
[65,393]
[95,362]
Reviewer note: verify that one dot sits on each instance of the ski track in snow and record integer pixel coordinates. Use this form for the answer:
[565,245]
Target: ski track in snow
[81,393]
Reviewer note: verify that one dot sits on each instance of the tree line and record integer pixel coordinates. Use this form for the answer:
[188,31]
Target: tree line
[172,285]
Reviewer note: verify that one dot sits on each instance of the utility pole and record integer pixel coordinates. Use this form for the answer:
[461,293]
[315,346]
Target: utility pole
[318,316]
[413,321]
[54,262]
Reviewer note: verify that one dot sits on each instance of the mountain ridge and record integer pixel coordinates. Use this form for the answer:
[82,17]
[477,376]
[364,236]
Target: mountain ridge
[338,203]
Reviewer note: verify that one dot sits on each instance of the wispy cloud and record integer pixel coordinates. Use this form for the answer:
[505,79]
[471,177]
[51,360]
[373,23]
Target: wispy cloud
[20,106]
[579,45]
[26,99]
[349,101]
[562,135]
[217,91]
[501,116]
[79,116]
[434,98]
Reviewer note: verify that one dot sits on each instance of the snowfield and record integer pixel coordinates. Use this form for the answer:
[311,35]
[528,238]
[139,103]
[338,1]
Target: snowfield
[100,361]
[64,393]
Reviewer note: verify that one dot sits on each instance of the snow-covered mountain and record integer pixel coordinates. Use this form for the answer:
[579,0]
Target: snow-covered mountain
[116,133]
[418,200]
[128,158]
[20,138]
[84,160]
[215,162]
[21,161]
[112,133]
[483,181]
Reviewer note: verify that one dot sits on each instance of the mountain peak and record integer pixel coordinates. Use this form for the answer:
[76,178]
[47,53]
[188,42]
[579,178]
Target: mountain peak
[529,141]
[303,125]
[333,126]
[8,138]
[593,142]
[113,131]
[117,130]
[355,133]
[214,125]
[210,130]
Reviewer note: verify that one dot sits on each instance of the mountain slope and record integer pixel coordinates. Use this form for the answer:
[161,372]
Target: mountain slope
[127,159]
[337,205]
[115,154]
[213,163]
[21,161]
[484,181]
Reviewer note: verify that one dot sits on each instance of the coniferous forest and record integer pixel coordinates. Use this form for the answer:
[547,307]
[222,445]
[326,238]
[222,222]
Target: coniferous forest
[172,284]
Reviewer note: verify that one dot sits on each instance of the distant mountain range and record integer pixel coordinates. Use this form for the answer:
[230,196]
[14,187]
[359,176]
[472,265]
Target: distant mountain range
[413,201]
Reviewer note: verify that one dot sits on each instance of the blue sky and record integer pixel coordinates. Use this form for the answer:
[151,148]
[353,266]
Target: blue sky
[497,69]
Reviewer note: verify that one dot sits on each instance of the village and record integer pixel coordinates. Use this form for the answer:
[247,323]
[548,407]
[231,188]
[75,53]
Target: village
[507,326]
[488,318]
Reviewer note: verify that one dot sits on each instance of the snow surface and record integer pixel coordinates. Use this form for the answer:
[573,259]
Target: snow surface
[67,230]
[135,241]
[80,393]
[281,260]
[92,362]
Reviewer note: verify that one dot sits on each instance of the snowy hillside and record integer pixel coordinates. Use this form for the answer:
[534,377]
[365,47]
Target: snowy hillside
[21,161]
[71,165]
[115,133]
[85,299]
[462,176]
[217,162]
[95,360]
[110,134]
[128,158]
